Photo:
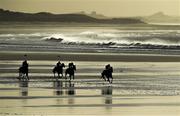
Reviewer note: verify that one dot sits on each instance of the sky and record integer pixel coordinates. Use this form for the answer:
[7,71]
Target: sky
[113,8]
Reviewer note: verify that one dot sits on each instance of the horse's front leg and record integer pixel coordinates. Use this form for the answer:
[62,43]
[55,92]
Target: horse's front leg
[58,75]
[108,79]
[61,75]
[65,75]
[27,76]
[111,79]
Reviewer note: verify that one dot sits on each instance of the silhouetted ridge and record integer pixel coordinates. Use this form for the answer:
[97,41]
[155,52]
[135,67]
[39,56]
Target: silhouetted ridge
[6,15]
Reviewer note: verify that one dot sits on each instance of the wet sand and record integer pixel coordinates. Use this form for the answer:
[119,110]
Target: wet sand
[86,56]
[144,85]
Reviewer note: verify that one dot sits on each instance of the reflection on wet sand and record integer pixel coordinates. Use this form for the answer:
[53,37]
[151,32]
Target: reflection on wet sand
[24,88]
[58,85]
[69,89]
[47,97]
[107,92]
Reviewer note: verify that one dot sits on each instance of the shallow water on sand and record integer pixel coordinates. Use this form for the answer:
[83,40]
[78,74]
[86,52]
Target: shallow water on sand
[90,96]
[139,88]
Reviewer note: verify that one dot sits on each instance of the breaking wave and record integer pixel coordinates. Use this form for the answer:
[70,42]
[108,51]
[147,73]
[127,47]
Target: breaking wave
[111,38]
[128,38]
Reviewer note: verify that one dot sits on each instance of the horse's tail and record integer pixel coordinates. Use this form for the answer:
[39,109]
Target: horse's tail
[20,69]
[103,73]
[54,69]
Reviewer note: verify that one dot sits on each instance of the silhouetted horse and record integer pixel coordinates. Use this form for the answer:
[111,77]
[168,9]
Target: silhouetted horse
[58,69]
[23,73]
[70,70]
[107,73]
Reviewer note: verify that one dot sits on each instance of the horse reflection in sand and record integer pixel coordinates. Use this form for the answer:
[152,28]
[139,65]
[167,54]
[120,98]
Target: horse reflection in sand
[23,85]
[107,92]
[65,88]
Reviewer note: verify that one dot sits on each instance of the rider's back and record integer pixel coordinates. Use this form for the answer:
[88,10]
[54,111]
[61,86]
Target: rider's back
[25,64]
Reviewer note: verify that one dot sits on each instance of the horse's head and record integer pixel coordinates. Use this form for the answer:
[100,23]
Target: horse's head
[63,65]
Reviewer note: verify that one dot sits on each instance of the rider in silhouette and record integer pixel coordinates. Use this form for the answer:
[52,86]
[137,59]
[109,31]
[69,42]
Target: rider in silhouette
[25,66]
[110,70]
[70,70]
[107,73]
[58,64]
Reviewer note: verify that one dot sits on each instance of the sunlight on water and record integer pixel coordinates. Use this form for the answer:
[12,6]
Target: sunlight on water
[142,88]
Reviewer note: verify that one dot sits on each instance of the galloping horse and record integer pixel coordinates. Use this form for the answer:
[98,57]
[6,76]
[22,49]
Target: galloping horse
[107,73]
[70,70]
[23,71]
[58,69]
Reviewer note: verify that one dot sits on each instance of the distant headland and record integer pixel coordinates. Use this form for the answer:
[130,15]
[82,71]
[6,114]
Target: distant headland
[11,16]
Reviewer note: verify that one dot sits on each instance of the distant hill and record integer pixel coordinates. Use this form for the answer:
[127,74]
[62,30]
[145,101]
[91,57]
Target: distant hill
[10,16]
[160,17]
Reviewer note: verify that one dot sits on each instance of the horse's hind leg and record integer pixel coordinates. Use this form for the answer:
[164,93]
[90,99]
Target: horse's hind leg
[108,79]
[27,76]
[73,76]
[58,75]
[102,76]
[65,76]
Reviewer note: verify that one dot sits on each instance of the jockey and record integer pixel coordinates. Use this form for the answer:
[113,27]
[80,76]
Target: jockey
[58,64]
[25,64]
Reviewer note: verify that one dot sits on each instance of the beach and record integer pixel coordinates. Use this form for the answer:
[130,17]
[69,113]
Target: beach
[143,85]
[145,61]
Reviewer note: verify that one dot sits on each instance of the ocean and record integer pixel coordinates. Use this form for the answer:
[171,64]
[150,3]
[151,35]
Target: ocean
[52,37]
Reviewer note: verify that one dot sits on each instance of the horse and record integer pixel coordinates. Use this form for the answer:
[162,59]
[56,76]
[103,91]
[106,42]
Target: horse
[58,70]
[70,70]
[23,73]
[107,73]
